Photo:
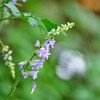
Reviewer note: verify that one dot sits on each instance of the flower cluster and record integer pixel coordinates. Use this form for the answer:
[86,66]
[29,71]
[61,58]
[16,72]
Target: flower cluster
[17,0]
[6,53]
[43,53]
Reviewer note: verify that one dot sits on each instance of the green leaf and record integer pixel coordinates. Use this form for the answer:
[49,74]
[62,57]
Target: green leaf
[13,9]
[49,25]
[7,1]
[32,21]
[28,17]
[6,13]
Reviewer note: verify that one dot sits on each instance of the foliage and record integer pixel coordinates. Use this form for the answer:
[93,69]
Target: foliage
[44,49]
[20,37]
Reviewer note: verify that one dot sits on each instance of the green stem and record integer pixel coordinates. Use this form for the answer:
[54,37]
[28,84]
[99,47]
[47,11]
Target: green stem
[7,18]
[19,78]
[12,17]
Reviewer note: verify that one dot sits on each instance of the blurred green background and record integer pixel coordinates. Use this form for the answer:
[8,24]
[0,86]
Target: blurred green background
[83,38]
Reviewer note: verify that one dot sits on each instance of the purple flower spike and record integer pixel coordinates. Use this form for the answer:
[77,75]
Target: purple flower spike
[38,64]
[52,42]
[37,44]
[25,75]
[33,74]
[49,43]
[43,53]
[33,87]
[21,64]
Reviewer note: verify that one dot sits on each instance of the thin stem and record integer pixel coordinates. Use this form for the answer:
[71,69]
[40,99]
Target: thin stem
[11,17]
[19,78]
[7,18]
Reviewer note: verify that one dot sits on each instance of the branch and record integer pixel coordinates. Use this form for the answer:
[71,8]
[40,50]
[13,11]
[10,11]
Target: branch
[19,78]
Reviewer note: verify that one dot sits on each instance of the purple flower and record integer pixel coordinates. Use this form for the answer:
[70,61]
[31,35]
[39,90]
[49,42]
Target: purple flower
[16,1]
[25,75]
[37,44]
[49,43]
[21,64]
[52,30]
[43,53]
[33,74]
[52,42]
[24,0]
[38,64]
[33,87]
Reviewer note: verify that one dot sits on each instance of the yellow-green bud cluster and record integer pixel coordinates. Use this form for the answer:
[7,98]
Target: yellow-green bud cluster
[6,53]
[61,29]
